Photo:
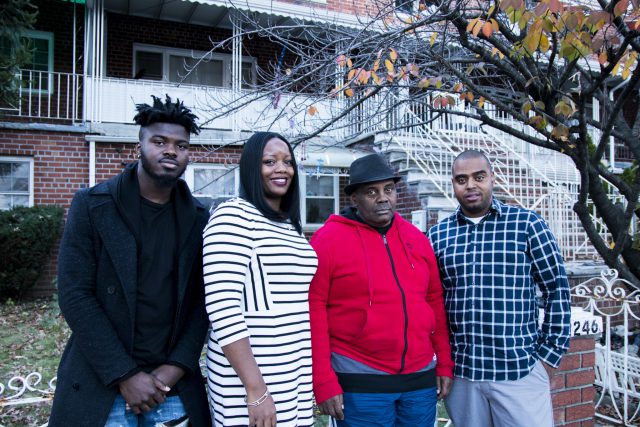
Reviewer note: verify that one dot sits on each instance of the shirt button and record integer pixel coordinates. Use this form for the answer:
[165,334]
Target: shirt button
[111,290]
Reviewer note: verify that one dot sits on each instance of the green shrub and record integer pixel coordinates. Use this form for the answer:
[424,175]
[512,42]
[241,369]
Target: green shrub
[26,238]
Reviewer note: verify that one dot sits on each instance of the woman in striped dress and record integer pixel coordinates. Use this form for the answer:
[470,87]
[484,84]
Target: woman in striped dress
[257,270]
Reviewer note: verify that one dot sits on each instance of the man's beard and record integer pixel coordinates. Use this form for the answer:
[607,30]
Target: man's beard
[166,181]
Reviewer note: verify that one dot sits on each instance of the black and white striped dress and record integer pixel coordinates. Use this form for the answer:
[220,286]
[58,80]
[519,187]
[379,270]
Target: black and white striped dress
[257,274]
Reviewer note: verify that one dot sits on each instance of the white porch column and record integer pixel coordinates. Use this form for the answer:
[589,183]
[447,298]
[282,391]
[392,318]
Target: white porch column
[93,59]
[236,65]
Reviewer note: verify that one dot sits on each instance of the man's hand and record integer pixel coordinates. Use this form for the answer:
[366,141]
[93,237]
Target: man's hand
[143,392]
[333,406]
[443,385]
[168,374]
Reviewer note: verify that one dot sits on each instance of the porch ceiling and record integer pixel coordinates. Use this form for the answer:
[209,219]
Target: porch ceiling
[216,13]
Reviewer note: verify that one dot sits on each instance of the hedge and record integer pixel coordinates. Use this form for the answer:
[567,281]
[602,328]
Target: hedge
[27,235]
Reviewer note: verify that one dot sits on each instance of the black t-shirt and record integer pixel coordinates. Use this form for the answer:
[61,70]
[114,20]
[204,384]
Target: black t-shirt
[156,295]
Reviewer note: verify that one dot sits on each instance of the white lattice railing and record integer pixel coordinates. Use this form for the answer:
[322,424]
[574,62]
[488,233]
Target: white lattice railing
[617,370]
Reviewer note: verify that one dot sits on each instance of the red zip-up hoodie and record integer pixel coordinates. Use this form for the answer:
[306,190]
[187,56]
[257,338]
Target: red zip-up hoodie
[376,299]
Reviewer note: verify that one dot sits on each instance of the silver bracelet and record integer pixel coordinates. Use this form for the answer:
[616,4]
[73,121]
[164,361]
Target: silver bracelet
[259,400]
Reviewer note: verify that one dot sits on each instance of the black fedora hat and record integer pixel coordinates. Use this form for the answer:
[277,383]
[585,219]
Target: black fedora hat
[371,168]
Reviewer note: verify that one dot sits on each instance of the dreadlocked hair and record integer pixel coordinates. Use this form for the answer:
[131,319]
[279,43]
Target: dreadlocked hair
[166,112]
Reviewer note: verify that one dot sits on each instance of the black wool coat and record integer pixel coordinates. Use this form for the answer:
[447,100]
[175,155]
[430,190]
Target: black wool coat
[97,281]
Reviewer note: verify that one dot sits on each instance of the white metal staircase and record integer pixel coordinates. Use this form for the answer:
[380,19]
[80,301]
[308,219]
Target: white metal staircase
[535,178]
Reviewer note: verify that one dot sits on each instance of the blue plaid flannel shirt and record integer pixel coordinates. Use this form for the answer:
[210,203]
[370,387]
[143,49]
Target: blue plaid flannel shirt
[489,275]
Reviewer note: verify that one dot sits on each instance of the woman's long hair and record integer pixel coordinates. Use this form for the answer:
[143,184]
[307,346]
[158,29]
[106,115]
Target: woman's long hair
[252,187]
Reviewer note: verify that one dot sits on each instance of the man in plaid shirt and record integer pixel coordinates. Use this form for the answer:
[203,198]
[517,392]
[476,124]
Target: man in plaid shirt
[493,258]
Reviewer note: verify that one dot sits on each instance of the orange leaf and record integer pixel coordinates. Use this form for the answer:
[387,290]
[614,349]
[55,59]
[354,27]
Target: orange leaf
[312,110]
[349,63]
[393,54]
[376,65]
[424,83]
[487,29]
[349,92]
[602,58]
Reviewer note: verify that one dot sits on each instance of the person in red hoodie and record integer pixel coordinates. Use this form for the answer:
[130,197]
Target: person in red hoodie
[379,335]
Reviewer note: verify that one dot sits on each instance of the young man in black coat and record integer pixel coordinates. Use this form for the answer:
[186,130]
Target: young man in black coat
[130,288]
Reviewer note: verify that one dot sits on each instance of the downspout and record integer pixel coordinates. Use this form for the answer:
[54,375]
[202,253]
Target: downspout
[92,163]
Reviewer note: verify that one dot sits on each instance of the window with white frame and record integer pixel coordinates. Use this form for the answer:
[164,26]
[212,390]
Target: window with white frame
[37,69]
[189,66]
[16,182]
[320,198]
[212,184]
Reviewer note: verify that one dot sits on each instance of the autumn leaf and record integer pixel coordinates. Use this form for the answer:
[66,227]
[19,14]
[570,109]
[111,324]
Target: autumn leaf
[620,8]
[341,60]
[487,29]
[376,65]
[348,93]
[349,63]
[393,54]
[476,28]
[312,110]
[472,24]
[602,58]
[389,66]
[375,78]
[432,40]
[481,101]
[424,83]
[351,74]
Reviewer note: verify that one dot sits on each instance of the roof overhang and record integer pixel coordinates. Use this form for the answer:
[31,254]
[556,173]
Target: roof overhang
[217,13]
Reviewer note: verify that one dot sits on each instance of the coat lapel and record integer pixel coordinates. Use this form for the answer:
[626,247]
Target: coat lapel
[121,246]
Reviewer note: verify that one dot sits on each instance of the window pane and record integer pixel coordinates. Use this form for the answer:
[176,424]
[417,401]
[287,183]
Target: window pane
[247,75]
[20,169]
[14,177]
[39,54]
[207,73]
[19,201]
[320,186]
[318,210]
[148,65]
[214,182]
[5,202]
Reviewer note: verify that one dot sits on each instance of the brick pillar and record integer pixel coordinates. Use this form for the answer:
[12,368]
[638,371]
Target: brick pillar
[572,390]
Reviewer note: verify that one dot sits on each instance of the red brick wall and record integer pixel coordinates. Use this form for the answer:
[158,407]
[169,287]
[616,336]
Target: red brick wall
[123,31]
[572,390]
[61,167]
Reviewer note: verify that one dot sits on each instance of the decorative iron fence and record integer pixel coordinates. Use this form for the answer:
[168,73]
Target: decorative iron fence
[617,368]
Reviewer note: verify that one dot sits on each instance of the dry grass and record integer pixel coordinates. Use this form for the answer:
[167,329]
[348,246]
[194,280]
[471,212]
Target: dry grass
[32,337]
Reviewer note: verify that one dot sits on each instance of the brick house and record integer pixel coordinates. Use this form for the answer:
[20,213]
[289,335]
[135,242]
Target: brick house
[93,62]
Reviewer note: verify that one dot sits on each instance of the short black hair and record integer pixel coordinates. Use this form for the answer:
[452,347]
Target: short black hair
[166,112]
[471,154]
[252,188]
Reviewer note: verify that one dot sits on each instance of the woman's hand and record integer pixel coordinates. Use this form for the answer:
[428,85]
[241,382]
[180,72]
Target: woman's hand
[264,414]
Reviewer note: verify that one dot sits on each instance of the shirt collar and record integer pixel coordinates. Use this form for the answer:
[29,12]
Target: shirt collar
[496,206]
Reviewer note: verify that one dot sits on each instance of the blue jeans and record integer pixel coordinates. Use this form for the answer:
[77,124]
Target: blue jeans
[170,410]
[410,409]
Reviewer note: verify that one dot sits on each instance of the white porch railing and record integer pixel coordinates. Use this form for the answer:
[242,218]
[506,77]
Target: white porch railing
[48,95]
[617,369]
